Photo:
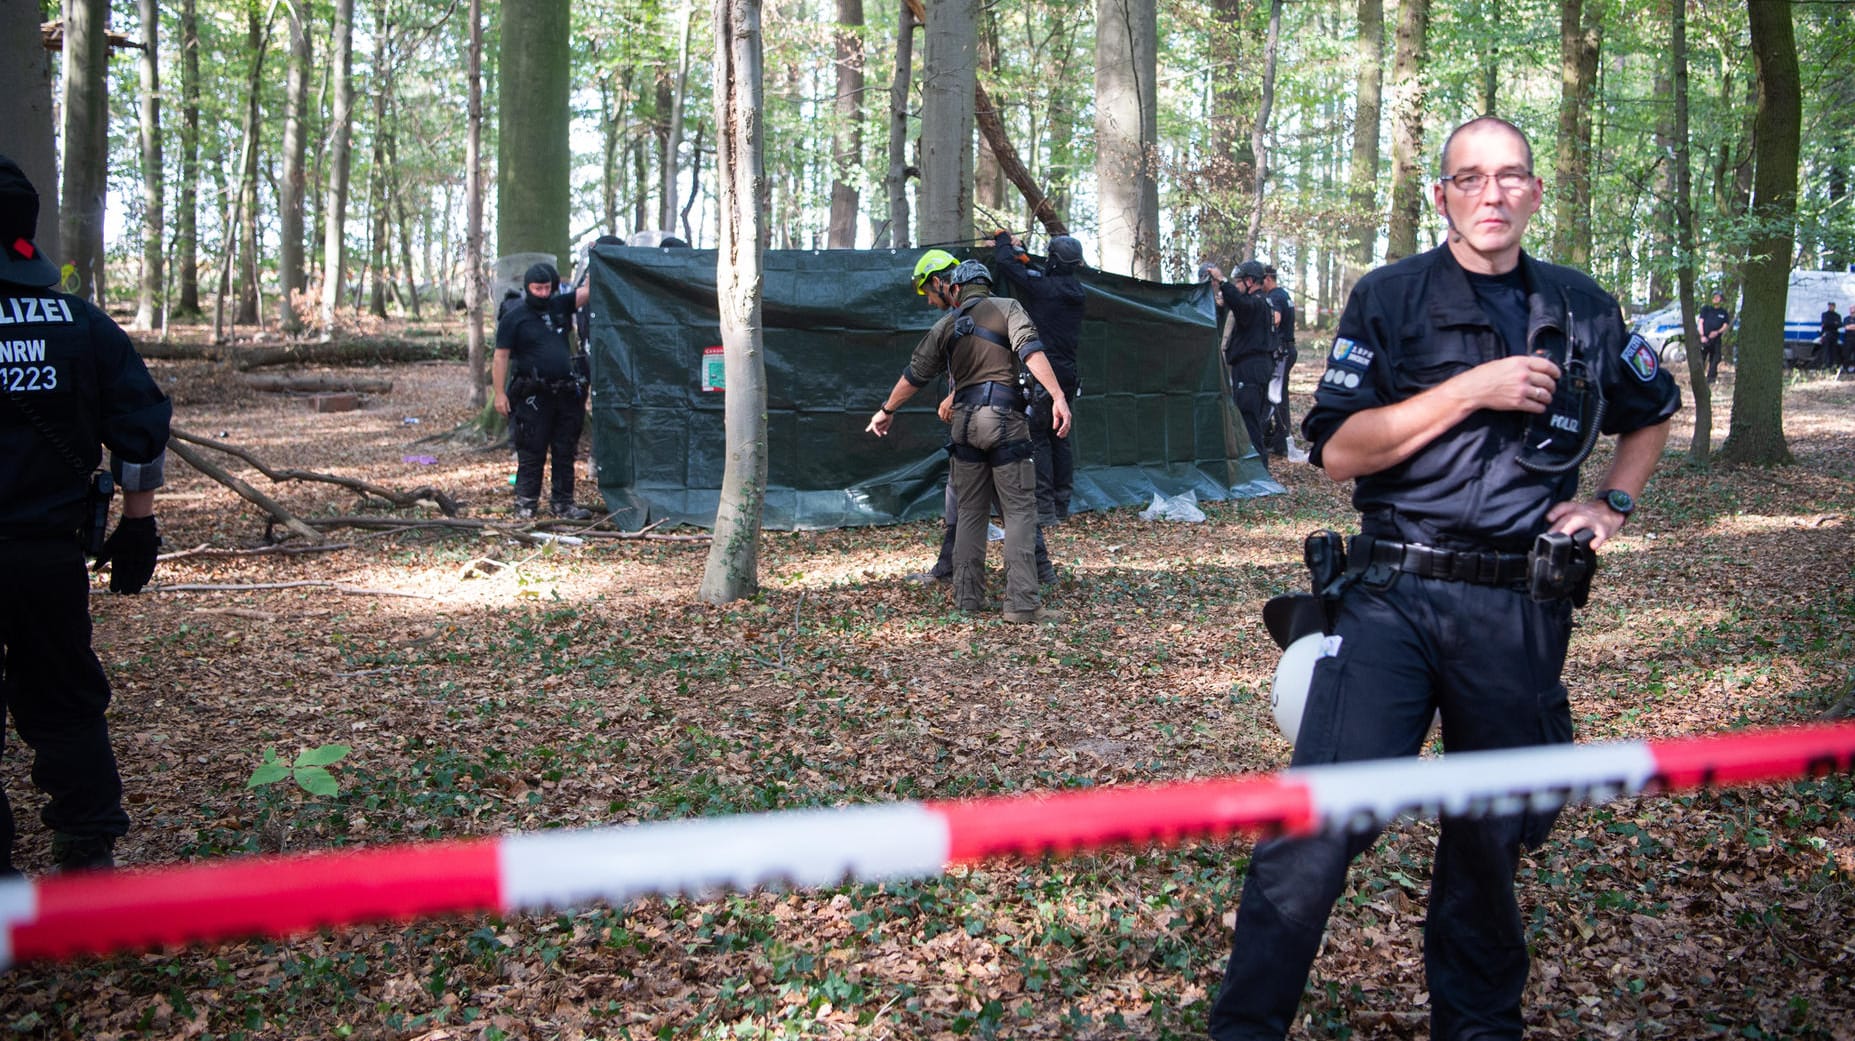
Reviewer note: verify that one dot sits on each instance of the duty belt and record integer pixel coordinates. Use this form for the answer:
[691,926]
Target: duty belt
[1003,395]
[1478,567]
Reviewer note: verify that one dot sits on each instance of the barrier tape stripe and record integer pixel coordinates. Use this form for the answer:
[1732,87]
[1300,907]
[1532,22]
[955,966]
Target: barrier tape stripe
[62,916]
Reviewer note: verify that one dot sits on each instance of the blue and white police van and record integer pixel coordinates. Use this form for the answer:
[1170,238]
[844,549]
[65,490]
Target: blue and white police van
[1810,292]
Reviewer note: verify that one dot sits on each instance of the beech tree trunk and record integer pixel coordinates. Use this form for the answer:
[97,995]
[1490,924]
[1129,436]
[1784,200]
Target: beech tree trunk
[1407,130]
[292,278]
[1701,445]
[1756,433]
[335,205]
[1259,134]
[847,150]
[533,158]
[473,217]
[732,569]
[992,131]
[26,122]
[257,38]
[1369,53]
[895,182]
[379,255]
[187,219]
[150,299]
[86,144]
[673,137]
[949,71]
[1127,135]
[1580,35]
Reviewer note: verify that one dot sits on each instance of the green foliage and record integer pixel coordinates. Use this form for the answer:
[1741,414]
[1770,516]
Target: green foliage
[309,770]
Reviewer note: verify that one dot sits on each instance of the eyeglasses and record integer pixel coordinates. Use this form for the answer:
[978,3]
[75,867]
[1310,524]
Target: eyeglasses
[1472,183]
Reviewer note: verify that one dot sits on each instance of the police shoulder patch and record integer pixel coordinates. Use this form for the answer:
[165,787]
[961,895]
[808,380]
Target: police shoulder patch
[1350,353]
[1641,358]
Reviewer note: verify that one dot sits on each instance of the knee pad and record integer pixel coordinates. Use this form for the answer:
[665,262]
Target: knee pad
[1010,452]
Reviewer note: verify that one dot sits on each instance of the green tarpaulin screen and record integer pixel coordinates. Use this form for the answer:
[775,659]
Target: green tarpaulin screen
[1153,416]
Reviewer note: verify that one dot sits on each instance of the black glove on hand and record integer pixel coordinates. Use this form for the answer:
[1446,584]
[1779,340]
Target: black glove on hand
[130,550]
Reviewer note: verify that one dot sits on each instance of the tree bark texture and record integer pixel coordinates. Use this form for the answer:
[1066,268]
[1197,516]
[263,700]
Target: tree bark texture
[1701,445]
[948,73]
[1127,135]
[1259,134]
[257,38]
[335,204]
[732,570]
[379,245]
[1580,38]
[187,198]
[150,300]
[895,182]
[473,206]
[86,144]
[1362,175]
[533,159]
[673,127]
[26,121]
[1407,129]
[1756,433]
[292,276]
[847,141]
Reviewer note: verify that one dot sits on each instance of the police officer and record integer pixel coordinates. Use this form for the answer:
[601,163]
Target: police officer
[1249,349]
[541,386]
[1713,321]
[1830,338]
[1054,296]
[69,378]
[1446,368]
[982,342]
[1283,305]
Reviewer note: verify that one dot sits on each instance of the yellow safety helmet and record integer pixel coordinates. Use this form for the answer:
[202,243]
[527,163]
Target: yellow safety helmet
[933,262]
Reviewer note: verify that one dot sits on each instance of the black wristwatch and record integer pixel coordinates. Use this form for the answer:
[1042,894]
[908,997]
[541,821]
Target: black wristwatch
[885,409]
[1619,500]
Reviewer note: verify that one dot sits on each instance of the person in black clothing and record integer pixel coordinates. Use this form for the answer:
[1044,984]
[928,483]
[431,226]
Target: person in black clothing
[1444,374]
[1848,343]
[1713,321]
[1054,297]
[1249,350]
[71,378]
[541,386]
[1284,307]
[1831,338]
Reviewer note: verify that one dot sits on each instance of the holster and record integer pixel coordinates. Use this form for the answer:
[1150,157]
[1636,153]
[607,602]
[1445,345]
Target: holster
[1560,567]
[95,528]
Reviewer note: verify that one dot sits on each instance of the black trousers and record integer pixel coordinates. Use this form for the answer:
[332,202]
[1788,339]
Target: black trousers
[1489,659]
[1249,387]
[55,692]
[545,421]
[1055,460]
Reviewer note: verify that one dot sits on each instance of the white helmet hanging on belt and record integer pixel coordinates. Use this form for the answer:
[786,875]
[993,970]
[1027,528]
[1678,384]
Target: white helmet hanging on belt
[1295,622]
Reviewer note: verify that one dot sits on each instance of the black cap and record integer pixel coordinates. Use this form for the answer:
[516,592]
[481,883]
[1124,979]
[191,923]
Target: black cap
[541,272]
[1064,249]
[21,263]
[1291,616]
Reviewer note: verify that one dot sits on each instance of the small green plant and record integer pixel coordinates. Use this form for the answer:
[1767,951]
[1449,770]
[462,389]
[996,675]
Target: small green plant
[310,770]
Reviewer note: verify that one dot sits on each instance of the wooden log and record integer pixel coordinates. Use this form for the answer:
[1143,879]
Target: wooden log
[287,383]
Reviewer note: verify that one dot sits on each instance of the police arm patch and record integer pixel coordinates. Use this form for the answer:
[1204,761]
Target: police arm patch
[1350,353]
[1641,358]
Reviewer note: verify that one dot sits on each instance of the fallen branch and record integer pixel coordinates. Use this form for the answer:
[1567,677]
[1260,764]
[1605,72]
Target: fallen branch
[311,584]
[524,531]
[204,550]
[282,383]
[264,502]
[993,129]
[422,494]
[349,351]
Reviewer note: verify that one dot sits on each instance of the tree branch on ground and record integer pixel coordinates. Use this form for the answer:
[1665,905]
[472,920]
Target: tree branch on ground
[425,494]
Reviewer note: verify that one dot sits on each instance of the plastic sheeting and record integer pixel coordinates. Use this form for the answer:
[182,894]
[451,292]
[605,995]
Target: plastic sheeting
[1153,415]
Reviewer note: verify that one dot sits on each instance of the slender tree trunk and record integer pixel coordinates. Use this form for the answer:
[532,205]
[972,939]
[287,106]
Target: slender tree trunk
[27,123]
[895,183]
[257,38]
[732,570]
[1127,135]
[1756,433]
[473,217]
[379,252]
[1407,129]
[335,209]
[533,158]
[1228,157]
[148,305]
[397,192]
[992,131]
[1259,135]
[292,280]
[949,71]
[86,143]
[1369,53]
[187,219]
[1580,37]
[988,179]
[1702,444]
[673,136]
[847,150]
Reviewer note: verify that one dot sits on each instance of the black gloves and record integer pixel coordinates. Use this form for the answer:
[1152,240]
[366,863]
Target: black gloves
[130,550]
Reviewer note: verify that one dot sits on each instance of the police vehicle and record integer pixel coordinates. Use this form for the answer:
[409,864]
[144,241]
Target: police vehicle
[1803,313]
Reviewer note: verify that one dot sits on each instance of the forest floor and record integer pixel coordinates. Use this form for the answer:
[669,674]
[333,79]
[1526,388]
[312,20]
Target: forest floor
[585,685]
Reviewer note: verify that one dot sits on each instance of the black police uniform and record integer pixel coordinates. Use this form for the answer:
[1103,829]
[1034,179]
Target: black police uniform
[1279,420]
[1404,645]
[71,379]
[1250,355]
[1831,339]
[1712,318]
[1054,297]
[547,396]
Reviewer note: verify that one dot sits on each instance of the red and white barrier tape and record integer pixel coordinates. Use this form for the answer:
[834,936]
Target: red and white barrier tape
[62,916]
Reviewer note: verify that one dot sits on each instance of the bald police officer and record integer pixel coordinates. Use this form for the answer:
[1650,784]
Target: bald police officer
[70,379]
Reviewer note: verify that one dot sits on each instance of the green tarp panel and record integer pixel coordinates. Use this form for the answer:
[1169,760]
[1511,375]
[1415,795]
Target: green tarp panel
[1153,415]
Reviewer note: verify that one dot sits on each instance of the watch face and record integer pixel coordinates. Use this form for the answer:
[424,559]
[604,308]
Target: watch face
[1619,500]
